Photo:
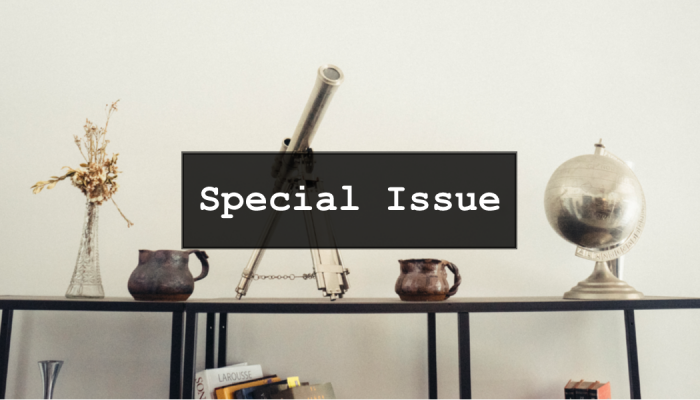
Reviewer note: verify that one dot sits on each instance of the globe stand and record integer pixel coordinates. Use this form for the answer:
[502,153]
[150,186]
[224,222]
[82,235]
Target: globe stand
[602,285]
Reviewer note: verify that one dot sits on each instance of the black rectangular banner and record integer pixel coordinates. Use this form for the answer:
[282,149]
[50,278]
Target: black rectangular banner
[366,200]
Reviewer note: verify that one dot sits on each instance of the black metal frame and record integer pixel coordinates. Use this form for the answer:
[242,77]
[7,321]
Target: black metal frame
[9,304]
[182,369]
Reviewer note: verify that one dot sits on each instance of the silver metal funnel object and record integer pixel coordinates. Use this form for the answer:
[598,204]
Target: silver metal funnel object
[49,372]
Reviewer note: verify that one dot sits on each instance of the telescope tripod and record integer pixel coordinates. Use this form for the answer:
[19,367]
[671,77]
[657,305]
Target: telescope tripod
[331,276]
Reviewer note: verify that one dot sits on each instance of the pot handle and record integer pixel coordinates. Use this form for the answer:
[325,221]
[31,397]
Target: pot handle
[458,278]
[205,264]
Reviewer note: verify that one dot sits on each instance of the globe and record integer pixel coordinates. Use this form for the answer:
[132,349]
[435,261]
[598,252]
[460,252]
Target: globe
[593,201]
[596,202]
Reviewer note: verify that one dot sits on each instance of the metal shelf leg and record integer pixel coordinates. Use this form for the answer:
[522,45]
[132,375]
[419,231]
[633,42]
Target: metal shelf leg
[211,323]
[176,356]
[465,377]
[190,355]
[632,360]
[5,336]
[223,325]
[432,358]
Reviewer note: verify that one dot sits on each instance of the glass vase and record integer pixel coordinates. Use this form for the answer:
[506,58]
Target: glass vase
[49,372]
[86,281]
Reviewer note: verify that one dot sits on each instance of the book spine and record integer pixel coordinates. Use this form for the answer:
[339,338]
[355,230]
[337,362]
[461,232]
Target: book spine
[222,394]
[206,382]
[569,394]
[201,386]
[581,393]
[228,376]
[227,392]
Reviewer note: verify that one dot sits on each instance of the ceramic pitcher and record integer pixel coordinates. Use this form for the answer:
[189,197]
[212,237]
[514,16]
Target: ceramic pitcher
[165,275]
[425,279]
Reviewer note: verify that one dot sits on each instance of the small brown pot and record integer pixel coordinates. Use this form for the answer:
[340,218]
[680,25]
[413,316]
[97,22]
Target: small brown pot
[164,275]
[425,279]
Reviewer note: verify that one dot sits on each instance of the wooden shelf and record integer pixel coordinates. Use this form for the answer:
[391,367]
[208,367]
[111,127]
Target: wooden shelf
[459,304]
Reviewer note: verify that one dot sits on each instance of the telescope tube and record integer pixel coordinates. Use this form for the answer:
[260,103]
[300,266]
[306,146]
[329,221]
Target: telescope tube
[328,79]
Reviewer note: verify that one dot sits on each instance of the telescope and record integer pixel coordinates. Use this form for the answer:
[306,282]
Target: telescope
[293,168]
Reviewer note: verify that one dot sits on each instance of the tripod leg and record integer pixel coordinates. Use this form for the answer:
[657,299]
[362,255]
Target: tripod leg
[343,277]
[258,253]
[330,274]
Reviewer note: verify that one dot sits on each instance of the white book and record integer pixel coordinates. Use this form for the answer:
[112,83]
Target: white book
[206,382]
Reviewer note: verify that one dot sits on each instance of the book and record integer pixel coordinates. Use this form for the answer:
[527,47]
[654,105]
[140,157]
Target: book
[599,390]
[227,392]
[293,381]
[206,382]
[570,389]
[261,390]
[266,392]
[322,391]
[581,390]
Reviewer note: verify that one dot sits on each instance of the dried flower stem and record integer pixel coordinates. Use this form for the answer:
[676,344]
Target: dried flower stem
[128,223]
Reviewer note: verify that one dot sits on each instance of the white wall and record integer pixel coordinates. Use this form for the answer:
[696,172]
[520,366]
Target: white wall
[545,79]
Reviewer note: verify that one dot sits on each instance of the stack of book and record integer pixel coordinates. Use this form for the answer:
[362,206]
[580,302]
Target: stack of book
[243,381]
[586,390]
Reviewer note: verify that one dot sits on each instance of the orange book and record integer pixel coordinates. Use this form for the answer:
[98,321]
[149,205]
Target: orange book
[599,390]
[226,392]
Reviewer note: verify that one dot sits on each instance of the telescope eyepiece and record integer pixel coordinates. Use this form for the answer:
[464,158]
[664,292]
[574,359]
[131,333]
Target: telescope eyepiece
[330,74]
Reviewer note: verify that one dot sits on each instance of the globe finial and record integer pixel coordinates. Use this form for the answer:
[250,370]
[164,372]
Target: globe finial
[599,148]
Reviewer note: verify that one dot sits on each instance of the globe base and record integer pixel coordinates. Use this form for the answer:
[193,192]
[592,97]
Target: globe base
[603,285]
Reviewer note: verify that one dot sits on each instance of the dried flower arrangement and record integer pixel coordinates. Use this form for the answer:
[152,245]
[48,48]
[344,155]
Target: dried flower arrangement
[96,178]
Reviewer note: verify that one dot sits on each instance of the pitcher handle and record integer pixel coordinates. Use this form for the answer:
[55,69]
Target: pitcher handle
[458,278]
[205,264]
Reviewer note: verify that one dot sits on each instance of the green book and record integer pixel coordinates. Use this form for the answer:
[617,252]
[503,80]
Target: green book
[322,391]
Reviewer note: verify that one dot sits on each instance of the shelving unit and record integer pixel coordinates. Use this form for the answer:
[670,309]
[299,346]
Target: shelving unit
[186,313]
[461,306]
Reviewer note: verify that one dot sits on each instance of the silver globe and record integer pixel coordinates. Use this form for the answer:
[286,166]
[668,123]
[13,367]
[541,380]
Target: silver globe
[593,201]
[596,202]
